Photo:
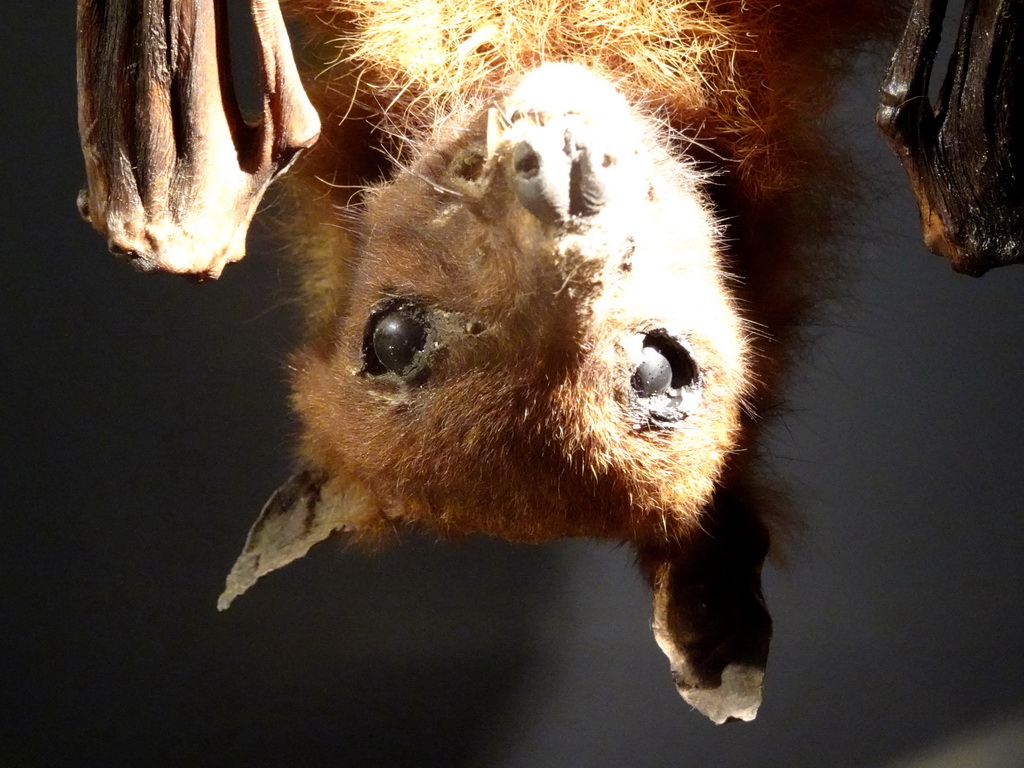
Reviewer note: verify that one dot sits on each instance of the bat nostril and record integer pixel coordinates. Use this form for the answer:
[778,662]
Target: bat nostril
[525,160]
[541,183]
[555,182]
[586,187]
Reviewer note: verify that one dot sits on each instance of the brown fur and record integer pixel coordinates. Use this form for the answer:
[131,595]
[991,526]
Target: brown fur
[521,432]
[551,192]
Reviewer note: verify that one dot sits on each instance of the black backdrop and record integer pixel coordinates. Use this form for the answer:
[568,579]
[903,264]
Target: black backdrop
[143,422]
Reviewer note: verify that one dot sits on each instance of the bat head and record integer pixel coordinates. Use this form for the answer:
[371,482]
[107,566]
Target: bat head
[538,340]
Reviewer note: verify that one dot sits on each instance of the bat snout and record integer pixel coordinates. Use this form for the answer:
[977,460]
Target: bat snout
[567,141]
[560,177]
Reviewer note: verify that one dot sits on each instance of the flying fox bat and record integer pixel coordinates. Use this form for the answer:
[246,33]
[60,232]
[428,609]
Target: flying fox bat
[554,256]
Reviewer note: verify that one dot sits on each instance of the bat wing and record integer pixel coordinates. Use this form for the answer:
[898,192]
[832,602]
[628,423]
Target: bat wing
[963,150]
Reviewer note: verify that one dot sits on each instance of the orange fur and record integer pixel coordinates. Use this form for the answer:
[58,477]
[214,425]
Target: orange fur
[519,430]
[554,252]
[751,76]
[739,85]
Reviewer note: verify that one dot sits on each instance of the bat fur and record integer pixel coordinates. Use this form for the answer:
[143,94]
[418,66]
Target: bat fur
[699,123]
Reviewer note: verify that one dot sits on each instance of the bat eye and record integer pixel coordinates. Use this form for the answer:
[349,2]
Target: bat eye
[666,381]
[395,341]
[654,374]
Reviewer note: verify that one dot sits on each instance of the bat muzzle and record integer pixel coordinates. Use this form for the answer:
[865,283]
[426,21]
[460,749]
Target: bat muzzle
[563,132]
[561,174]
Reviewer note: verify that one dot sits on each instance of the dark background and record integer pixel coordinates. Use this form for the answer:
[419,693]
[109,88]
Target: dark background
[143,422]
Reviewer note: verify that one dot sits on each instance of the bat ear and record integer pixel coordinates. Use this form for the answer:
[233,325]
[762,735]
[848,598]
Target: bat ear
[710,617]
[304,511]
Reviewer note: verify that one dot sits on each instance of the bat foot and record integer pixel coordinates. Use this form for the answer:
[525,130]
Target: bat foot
[737,698]
[710,617]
